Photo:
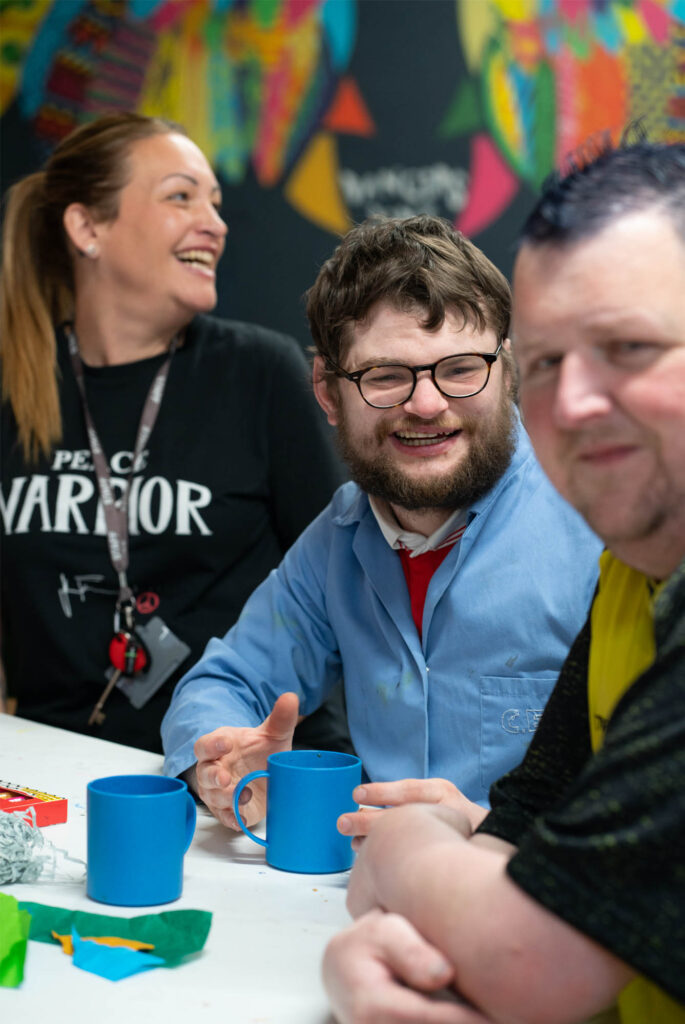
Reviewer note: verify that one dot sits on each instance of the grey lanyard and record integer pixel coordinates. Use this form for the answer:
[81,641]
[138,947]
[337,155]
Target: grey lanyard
[116,511]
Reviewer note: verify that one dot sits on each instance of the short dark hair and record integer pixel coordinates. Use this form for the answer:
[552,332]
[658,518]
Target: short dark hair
[601,182]
[416,263]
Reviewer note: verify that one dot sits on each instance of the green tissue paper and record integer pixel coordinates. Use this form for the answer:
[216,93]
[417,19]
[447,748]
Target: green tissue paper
[14,933]
[175,934]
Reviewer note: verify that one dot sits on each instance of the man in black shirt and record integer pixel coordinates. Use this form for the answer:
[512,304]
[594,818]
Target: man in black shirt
[569,896]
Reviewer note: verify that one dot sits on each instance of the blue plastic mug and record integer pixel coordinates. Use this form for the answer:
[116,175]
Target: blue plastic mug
[139,828]
[307,791]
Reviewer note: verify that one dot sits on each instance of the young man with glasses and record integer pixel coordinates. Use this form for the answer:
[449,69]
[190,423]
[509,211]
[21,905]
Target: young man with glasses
[444,585]
[569,900]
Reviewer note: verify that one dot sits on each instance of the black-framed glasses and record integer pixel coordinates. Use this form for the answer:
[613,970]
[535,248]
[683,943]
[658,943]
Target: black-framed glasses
[391,384]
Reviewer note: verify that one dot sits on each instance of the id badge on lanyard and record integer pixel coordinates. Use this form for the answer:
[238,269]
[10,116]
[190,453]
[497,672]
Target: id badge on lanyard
[133,650]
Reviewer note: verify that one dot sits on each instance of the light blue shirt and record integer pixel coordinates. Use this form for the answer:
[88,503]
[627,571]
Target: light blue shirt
[462,702]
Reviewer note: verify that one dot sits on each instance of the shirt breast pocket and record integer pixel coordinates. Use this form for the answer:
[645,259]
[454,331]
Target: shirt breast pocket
[510,710]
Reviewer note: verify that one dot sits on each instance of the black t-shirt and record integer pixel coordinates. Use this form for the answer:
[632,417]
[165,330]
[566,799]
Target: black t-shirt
[601,837]
[239,462]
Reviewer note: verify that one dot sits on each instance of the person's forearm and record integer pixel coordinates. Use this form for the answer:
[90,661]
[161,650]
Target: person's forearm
[418,863]
[513,959]
[200,704]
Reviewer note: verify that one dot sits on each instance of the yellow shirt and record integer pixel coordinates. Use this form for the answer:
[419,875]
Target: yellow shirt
[621,649]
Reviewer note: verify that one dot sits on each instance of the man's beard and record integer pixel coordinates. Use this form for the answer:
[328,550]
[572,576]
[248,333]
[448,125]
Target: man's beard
[489,453]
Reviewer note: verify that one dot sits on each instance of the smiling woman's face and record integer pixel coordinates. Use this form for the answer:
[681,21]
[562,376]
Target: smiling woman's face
[599,334]
[162,249]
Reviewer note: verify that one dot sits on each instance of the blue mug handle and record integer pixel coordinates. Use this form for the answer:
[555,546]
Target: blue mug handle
[191,819]
[236,796]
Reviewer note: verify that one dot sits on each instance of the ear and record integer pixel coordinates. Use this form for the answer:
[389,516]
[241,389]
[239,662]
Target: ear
[325,391]
[510,372]
[79,226]
[507,361]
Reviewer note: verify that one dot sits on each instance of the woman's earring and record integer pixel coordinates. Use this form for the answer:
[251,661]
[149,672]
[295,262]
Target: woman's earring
[92,250]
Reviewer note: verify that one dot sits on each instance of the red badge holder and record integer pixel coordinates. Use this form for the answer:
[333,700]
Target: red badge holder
[127,654]
[129,657]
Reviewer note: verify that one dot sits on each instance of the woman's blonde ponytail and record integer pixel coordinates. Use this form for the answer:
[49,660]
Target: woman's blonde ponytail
[28,297]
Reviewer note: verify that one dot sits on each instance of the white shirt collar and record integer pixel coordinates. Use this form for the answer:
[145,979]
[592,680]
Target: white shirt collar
[417,543]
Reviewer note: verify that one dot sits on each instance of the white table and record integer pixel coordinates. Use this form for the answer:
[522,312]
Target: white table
[261,962]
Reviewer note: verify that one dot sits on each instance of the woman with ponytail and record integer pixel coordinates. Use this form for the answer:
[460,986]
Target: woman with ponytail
[156,462]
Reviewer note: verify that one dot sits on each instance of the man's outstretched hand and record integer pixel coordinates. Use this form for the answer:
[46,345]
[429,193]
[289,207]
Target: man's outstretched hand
[225,755]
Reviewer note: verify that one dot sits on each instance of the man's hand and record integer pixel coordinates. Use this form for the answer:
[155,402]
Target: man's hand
[399,833]
[381,971]
[227,754]
[406,791]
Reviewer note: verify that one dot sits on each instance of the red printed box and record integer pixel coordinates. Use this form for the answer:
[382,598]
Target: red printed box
[48,809]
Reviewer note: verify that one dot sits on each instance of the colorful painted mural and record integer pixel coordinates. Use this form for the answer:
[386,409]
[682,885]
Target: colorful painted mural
[544,75]
[265,86]
[260,83]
